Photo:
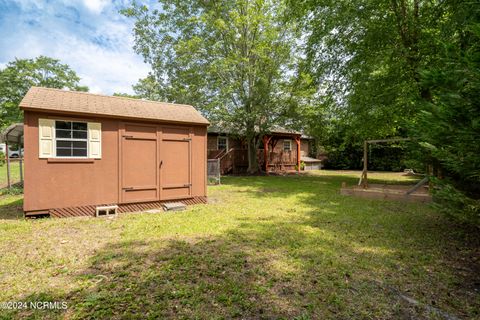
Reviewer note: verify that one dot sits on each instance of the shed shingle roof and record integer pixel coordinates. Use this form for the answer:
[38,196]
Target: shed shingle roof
[55,100]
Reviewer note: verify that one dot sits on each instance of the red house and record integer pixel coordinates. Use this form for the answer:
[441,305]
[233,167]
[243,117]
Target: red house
[286,150]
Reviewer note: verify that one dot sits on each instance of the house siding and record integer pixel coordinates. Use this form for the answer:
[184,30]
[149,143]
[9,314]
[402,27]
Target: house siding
[305,148]
[236,143]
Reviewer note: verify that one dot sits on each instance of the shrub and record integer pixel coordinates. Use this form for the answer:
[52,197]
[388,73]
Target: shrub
[302,166]
[12,191]
[2,159]
[454,203]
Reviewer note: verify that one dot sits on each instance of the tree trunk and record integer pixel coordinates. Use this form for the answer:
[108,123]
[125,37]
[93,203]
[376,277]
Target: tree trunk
[252,157]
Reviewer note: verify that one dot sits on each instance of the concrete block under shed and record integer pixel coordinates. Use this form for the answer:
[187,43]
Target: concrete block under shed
[174,206]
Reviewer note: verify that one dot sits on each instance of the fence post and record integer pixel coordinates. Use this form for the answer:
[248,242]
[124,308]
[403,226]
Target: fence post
[9,183]
[20,159]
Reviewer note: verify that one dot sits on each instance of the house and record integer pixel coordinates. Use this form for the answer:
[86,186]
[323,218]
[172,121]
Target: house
[88,154]
[287,149]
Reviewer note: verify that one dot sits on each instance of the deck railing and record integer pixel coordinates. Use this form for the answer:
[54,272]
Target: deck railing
[227,161]
[236,160]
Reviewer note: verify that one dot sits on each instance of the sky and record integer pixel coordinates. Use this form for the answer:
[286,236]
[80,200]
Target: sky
[88,35]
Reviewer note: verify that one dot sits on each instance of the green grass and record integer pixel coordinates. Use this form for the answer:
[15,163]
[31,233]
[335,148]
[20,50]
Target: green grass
[15,173]
[265,247]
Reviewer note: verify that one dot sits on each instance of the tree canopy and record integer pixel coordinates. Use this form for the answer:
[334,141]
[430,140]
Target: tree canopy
[21,74]
[235,60]
[344,71]
[401,68]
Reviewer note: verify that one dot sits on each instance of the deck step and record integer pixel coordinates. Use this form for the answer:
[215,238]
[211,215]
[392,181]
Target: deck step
[174,206]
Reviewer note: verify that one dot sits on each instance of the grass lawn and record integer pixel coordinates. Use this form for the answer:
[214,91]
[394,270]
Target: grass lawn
[15,173]
[266,247]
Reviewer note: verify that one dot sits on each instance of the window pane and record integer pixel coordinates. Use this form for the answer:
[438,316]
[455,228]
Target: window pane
[64,152]
[71,130]
[63,133]
[79,134]
[79,126]
[222,143]
[63,125]
[79,152]
[64,144]
[80,144]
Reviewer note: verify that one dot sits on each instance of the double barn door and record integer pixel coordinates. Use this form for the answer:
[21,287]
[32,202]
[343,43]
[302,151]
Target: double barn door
[155,162]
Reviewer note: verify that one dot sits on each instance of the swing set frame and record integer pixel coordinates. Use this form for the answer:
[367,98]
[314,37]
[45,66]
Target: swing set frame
[375,191]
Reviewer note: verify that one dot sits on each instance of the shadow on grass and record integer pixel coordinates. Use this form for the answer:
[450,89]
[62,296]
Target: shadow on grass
[214,278]
[277,272]
[329,258]
[11,207]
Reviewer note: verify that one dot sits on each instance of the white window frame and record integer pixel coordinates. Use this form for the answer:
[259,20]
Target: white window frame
[226,142]
[68,139]
[289,144]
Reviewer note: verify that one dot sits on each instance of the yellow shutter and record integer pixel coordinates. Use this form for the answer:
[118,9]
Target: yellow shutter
[95,140]
[46,130]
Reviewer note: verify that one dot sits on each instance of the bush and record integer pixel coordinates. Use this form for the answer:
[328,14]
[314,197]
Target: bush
[383,157]
[2,159]
[12,191]
[302,166]
[448,126]
[455,203]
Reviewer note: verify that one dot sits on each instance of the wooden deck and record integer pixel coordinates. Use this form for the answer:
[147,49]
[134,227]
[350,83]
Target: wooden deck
[236,160]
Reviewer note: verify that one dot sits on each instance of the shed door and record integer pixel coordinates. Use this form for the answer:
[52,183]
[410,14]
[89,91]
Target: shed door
[176,170]
[139,163]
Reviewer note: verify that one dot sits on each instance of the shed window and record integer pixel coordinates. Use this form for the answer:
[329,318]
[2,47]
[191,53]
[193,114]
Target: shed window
[287,145]
[71,139]
[222,143]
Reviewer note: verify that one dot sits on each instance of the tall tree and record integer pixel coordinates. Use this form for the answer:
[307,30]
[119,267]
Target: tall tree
[234,59]
[404,67]
[449,124]
[370,53]
[19,75]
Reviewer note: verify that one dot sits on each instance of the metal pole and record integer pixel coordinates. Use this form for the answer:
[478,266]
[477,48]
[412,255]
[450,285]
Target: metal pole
[9,183]
[20,158]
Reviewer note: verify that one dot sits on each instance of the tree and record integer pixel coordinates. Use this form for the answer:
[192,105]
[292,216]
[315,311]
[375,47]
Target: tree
[126,95]
[148,88]
[403,67]
[19,75]
[449,124]
[234,59]
[370,53]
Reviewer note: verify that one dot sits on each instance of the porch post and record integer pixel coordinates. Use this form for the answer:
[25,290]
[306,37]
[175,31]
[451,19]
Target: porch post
[297,140]
[265,152]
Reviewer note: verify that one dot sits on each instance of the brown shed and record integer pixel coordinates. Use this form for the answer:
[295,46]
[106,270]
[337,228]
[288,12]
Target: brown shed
[84,151]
